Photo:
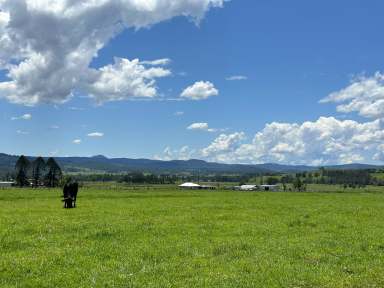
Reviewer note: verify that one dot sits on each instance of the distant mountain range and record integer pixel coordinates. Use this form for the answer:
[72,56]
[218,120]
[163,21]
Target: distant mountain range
[102,164]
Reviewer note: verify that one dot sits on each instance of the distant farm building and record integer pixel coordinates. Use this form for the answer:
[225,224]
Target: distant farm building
[194,186]
[250,187]
[207,187]
[6,184]
[269,187]
[246,187]
[189,185]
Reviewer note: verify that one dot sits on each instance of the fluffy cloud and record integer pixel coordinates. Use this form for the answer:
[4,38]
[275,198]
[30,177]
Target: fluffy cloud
[223,147]
[157,62]
[72,108]
[23,117]
[77,141]
[46,47]
[184,153]
[200,90]
[200,126]
[236,78]
[379,156]
[325,141]
[124,80]
[365,96]
[179,113]
[95,134]
[322,142]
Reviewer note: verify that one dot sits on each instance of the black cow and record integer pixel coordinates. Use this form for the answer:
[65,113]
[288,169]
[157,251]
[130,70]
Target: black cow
[70,194]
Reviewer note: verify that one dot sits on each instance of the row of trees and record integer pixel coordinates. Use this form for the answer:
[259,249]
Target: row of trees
[347,178]
[150,178]
[141,178]
[37,172]
[130,177]
[48,173]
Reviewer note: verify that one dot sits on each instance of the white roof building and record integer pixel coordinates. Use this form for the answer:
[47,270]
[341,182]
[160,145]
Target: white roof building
[190,185]
[6,184]
[248,187]
[270,187]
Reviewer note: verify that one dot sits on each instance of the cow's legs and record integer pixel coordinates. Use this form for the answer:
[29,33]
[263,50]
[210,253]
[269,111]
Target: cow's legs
[68,202]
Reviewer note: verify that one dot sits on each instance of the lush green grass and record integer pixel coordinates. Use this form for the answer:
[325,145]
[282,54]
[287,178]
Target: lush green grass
[170,238]
[378,175]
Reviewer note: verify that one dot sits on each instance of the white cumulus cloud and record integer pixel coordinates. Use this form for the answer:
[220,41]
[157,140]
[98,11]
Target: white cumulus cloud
[46,47]
[379,155]
[222,148]
[184,153]
[325,141]
[365,95]
[199,91]
[95,134]
[77,141]
[157,62]
[200,126]
[236,78]
[23,117]
[124,80]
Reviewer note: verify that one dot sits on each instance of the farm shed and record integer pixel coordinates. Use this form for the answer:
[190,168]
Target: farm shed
[6,184]
[248,187]
[269,187]
[189,185]
[207,187]
[196,186]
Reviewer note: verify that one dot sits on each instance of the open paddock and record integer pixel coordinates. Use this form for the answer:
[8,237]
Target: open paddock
[150,237]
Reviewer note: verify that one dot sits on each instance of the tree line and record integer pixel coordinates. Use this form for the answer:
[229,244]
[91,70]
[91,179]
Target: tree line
[37,173]
[137,177]
[347,178]
[129,178]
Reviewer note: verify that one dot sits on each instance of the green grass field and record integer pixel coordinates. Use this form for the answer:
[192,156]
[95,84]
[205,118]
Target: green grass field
[170,238]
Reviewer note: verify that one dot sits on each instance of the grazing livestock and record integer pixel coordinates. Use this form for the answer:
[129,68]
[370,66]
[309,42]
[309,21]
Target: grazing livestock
[70,194]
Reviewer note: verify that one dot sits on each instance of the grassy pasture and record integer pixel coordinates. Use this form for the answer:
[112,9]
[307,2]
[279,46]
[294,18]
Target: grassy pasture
[170,238]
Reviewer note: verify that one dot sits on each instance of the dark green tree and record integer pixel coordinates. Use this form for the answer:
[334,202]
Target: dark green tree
[54,173]
[38,166]
[298,184]
[21,167]
[272,180]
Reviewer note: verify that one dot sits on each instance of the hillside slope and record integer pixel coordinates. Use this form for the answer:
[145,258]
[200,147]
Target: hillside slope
[102,164]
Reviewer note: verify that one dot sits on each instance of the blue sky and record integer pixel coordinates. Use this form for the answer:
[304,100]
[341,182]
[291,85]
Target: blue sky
[290,54]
